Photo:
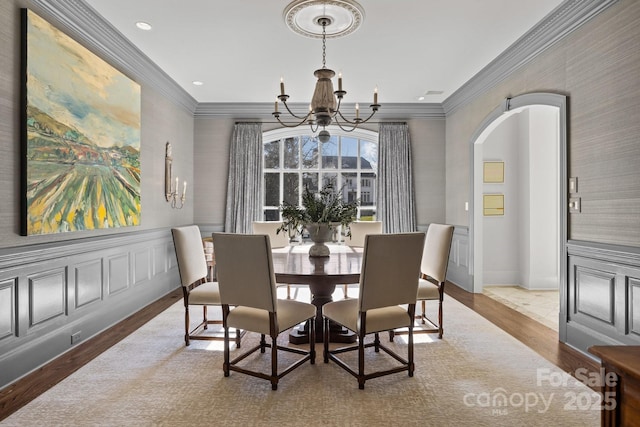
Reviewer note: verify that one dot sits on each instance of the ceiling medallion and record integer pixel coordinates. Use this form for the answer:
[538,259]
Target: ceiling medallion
[324,108]
[305,17]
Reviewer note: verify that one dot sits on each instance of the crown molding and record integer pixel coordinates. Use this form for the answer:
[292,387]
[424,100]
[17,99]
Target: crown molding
[82,22]
[559,23]
[85,25]
[261,111]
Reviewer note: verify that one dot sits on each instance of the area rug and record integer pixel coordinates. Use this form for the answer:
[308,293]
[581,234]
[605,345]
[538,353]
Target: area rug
[477,375]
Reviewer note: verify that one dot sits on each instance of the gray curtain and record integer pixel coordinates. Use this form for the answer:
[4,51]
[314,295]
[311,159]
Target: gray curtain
[244,187]
[396,195]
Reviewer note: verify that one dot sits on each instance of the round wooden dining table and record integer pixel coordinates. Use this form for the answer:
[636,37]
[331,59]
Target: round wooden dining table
[293,265]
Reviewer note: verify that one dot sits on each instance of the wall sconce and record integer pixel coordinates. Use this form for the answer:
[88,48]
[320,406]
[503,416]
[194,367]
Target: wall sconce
[171,193]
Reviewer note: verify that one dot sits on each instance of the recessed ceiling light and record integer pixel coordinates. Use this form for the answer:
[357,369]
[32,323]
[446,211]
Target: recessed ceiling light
[197,83]
[143,25]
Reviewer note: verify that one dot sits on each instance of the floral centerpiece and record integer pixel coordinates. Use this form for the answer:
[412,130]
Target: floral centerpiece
[320,213]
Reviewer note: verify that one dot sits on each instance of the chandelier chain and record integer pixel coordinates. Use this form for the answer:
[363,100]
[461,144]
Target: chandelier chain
[325,106]
[324,44]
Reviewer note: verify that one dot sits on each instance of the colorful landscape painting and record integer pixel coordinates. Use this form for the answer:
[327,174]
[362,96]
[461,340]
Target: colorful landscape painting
[82,143]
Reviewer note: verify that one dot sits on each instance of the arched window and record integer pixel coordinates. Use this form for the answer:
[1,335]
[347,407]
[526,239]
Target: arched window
[294,159]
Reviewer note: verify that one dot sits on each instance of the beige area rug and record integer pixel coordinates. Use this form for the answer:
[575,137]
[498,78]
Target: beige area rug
[477,375]
[540,305]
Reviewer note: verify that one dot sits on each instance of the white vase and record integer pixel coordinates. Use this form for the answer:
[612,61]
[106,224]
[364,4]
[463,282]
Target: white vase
[319,233]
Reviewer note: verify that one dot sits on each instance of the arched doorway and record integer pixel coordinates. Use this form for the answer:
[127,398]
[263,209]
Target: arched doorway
[554,104]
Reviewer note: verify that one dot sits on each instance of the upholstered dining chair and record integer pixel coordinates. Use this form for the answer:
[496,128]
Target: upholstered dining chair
[386,301]
[359,229]
[278,240]
[196,290]
[249,302]
[433,273]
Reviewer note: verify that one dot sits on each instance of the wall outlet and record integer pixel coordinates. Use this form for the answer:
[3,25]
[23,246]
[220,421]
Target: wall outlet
[76,337]
[574,205]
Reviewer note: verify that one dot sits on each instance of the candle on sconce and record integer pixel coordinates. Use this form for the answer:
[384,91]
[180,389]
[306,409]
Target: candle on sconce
[281,86]
[357,110]
[184,190]
[275,106]
[375,95]
[340,81]
[176,189]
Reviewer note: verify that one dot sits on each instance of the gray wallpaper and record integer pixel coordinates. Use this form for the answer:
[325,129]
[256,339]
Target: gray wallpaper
[597,66]
[161,120]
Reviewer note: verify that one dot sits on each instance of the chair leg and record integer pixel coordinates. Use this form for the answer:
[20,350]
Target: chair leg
[225,365]
[391,335]
[186,324]
[376,342]
[325,340]
[344,290]
[263,343]
[288,292]
[424,312]
[238,337]
[274,364]
[410,352]
[312,341]
[440,329]
[204,317]
[361,379]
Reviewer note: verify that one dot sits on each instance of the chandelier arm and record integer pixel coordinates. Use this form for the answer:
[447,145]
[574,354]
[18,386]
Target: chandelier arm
[355,126]
[304,119]
[294,115]
[357,121]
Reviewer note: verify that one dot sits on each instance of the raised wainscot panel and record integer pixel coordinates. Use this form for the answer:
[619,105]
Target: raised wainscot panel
[47,296]
[463,253]
[141,266]
[171,257]
[7,308]
[88,283]
[118,273]
[594,294]
[633,306]
[159,259]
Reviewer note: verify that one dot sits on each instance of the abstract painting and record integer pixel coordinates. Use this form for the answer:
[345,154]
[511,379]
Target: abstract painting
[80,136]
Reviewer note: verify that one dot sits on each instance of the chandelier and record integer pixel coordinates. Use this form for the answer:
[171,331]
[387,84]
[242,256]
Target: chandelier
[325,106]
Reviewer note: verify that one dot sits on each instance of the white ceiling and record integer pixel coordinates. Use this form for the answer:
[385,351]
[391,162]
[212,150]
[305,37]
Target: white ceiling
[241,48]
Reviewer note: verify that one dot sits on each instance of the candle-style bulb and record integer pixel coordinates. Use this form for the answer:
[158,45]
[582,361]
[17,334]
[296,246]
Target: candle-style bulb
[357,110]
[375,95]
[281,86]
[340,81]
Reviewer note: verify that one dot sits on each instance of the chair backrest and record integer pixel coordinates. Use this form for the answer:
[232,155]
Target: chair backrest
[192,264]
[270,228]
[390,269]
[359,229]
[437,246]
[245,270]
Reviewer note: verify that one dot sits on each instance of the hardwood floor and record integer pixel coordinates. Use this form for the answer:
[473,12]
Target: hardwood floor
[536,336]
[540,338]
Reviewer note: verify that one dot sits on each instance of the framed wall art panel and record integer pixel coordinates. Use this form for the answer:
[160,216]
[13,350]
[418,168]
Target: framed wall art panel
[493,204]
[80,136]
[493,172]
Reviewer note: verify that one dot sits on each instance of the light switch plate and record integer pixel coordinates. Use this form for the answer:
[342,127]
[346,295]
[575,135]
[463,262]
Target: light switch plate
[573,185]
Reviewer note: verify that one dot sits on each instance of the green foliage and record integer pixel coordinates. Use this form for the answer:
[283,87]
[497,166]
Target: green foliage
[325,206]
